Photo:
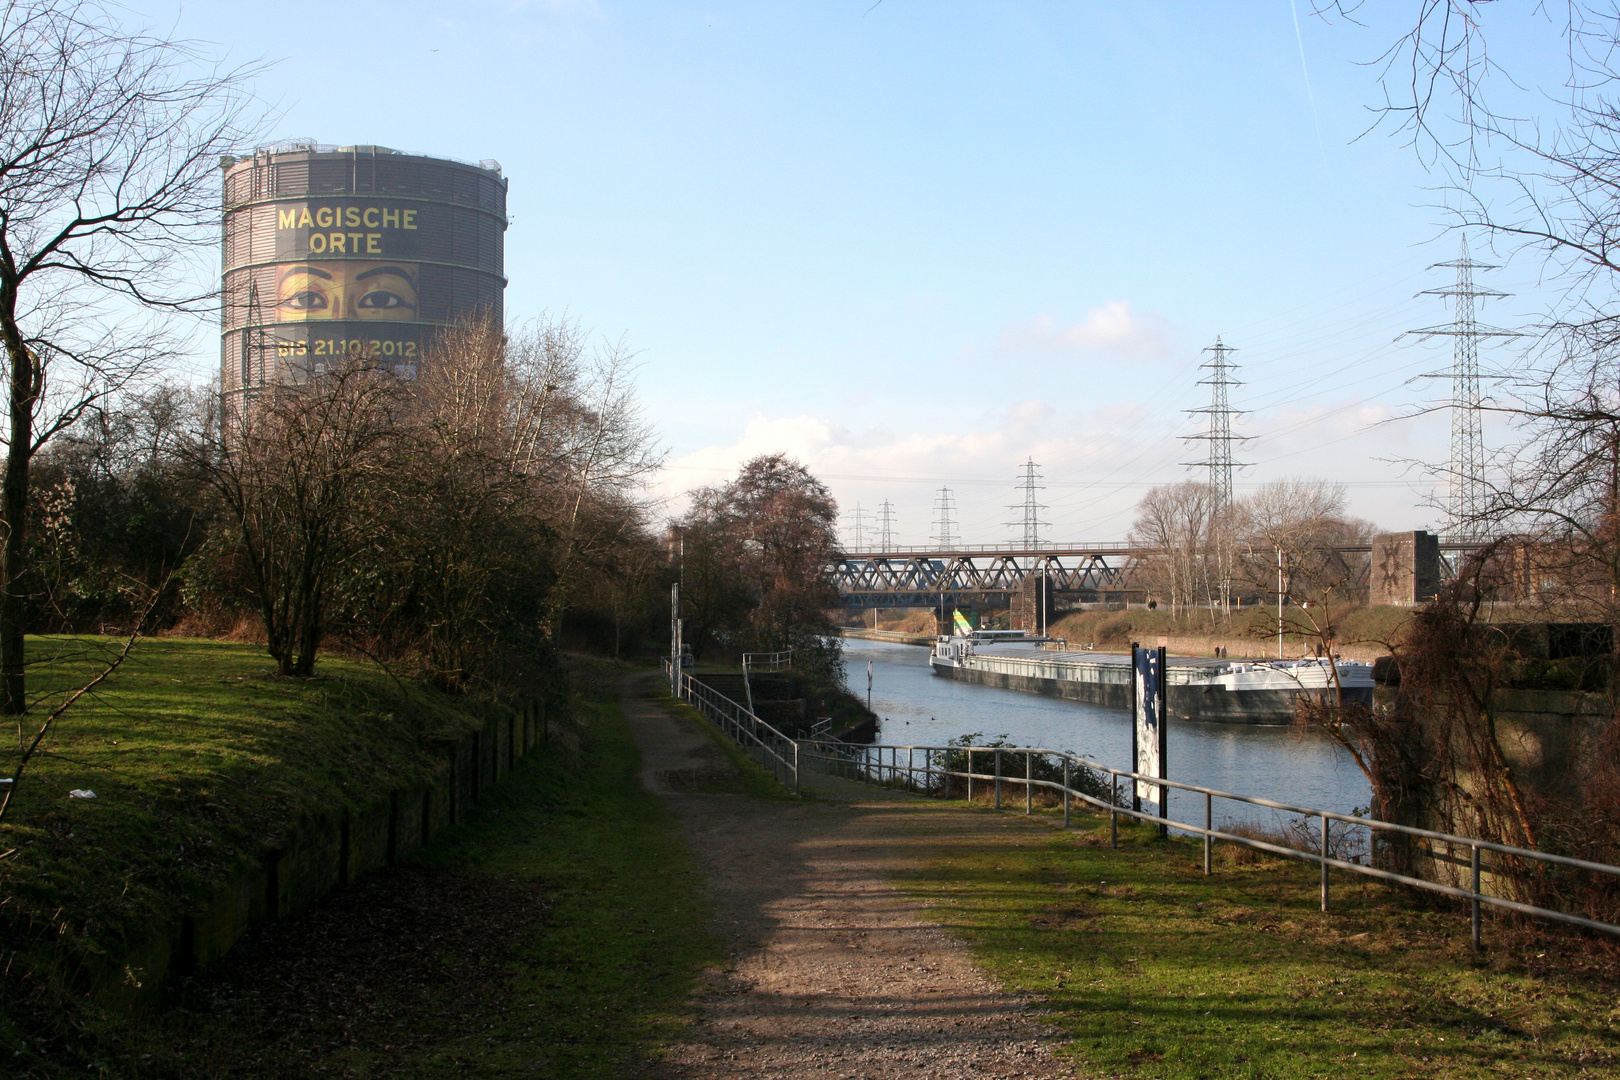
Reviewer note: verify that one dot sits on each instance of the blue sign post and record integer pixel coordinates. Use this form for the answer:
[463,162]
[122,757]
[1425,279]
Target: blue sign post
[1148,727]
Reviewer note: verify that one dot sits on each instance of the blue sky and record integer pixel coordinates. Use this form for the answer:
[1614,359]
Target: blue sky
[915,244]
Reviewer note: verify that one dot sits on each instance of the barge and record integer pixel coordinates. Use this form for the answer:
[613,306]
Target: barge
[1197,688]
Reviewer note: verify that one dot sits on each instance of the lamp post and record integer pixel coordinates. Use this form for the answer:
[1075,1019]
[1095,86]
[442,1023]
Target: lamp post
[1279,602]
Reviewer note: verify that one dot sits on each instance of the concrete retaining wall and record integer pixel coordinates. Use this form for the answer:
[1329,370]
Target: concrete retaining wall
[323,853]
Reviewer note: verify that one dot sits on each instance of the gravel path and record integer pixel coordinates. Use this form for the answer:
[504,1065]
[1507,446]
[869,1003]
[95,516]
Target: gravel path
[835,972]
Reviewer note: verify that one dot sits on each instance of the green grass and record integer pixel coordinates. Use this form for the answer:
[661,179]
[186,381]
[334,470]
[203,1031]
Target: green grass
[750,778]
[599,934]
[607,975]
[1158,971]
[200,758]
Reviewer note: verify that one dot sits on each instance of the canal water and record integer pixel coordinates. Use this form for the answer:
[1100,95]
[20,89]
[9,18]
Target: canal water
[919,708]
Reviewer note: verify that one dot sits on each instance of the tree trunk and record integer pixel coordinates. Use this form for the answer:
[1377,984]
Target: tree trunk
[13,513]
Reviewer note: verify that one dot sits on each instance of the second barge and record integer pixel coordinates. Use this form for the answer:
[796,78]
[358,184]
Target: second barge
[1197,688]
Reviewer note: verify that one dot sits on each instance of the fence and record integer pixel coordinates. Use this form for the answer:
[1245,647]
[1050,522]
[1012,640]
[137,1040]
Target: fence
[868,763]
[762,661]
[760,741]
[767,661]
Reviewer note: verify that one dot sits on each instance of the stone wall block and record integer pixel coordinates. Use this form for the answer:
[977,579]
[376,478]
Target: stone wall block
[227,916]
[368,838]
[311,866]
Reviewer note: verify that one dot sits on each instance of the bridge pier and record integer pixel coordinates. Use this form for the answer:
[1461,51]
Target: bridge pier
[1035,604]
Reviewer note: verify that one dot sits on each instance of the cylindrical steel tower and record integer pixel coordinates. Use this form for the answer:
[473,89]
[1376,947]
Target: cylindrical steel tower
[353,251]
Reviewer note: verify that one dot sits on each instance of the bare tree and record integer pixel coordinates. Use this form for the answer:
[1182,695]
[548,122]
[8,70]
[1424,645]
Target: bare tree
[1289,535]
[109,142]
[1536,167]
[1174,535]
[578,432]
[294,472]
[462,541]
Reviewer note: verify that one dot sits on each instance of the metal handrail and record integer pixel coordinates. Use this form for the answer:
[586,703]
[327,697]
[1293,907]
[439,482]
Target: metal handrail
[741,726]
[767,661]
[818,749]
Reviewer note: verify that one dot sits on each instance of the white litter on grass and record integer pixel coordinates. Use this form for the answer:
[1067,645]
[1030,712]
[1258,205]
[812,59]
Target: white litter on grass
[81,793]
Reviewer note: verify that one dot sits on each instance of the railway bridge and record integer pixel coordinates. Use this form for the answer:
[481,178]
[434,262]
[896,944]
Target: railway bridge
[995,575]
[981,576]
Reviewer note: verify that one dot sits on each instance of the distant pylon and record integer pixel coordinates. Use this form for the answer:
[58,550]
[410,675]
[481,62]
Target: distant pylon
[945,535]
[1218,428]
[1467,496]
[886,526]
[1031,521]
[858,530]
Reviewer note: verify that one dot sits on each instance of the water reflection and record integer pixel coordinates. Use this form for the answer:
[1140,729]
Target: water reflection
[1278,763]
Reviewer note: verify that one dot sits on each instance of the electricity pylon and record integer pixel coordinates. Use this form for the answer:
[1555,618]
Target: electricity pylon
[1031,521]
[886,526]
[859,529]
[1468,497]
[945,534]
[1218,428]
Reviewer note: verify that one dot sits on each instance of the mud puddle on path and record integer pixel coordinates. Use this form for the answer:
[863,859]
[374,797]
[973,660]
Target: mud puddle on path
[835,972]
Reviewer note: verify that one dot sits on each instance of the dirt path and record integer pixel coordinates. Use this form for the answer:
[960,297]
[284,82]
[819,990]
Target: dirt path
[836,973]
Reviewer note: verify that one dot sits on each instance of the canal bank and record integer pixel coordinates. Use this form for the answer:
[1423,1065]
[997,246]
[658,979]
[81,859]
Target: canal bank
[1283,763]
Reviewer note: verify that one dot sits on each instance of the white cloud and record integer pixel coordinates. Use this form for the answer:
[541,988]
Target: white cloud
[1097,463]
[1112,327]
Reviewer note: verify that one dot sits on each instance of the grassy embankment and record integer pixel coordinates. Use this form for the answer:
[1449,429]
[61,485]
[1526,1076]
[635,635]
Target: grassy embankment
[550,935]
[200,759]
[1361,632]
[1158,971]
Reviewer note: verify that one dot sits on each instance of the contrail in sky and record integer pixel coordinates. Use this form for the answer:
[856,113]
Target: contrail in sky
[1309,93]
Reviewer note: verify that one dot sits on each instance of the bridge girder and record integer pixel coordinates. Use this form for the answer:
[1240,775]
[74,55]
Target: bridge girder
[990,576]
[917,579]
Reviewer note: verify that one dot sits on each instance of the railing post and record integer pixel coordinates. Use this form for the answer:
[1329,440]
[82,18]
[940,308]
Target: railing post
[1065,793]
[1209,841]
[998,779]
[1113,812]
[970,777]
[1473,915]
[1029,776]
[1324,862]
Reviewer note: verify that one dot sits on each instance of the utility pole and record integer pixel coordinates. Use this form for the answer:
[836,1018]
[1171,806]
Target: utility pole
[945,535]
[886,526]
[675,640]
[1031,520]
[1467,500]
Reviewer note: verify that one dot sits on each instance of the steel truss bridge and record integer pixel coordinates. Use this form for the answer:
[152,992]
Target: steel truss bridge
[979,576]
[990,575]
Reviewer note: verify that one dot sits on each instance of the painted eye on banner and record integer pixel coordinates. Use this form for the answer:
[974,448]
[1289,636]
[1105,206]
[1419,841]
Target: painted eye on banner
[305,300]
[382,300]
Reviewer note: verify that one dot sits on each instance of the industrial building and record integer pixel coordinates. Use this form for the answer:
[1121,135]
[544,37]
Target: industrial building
[334,251]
